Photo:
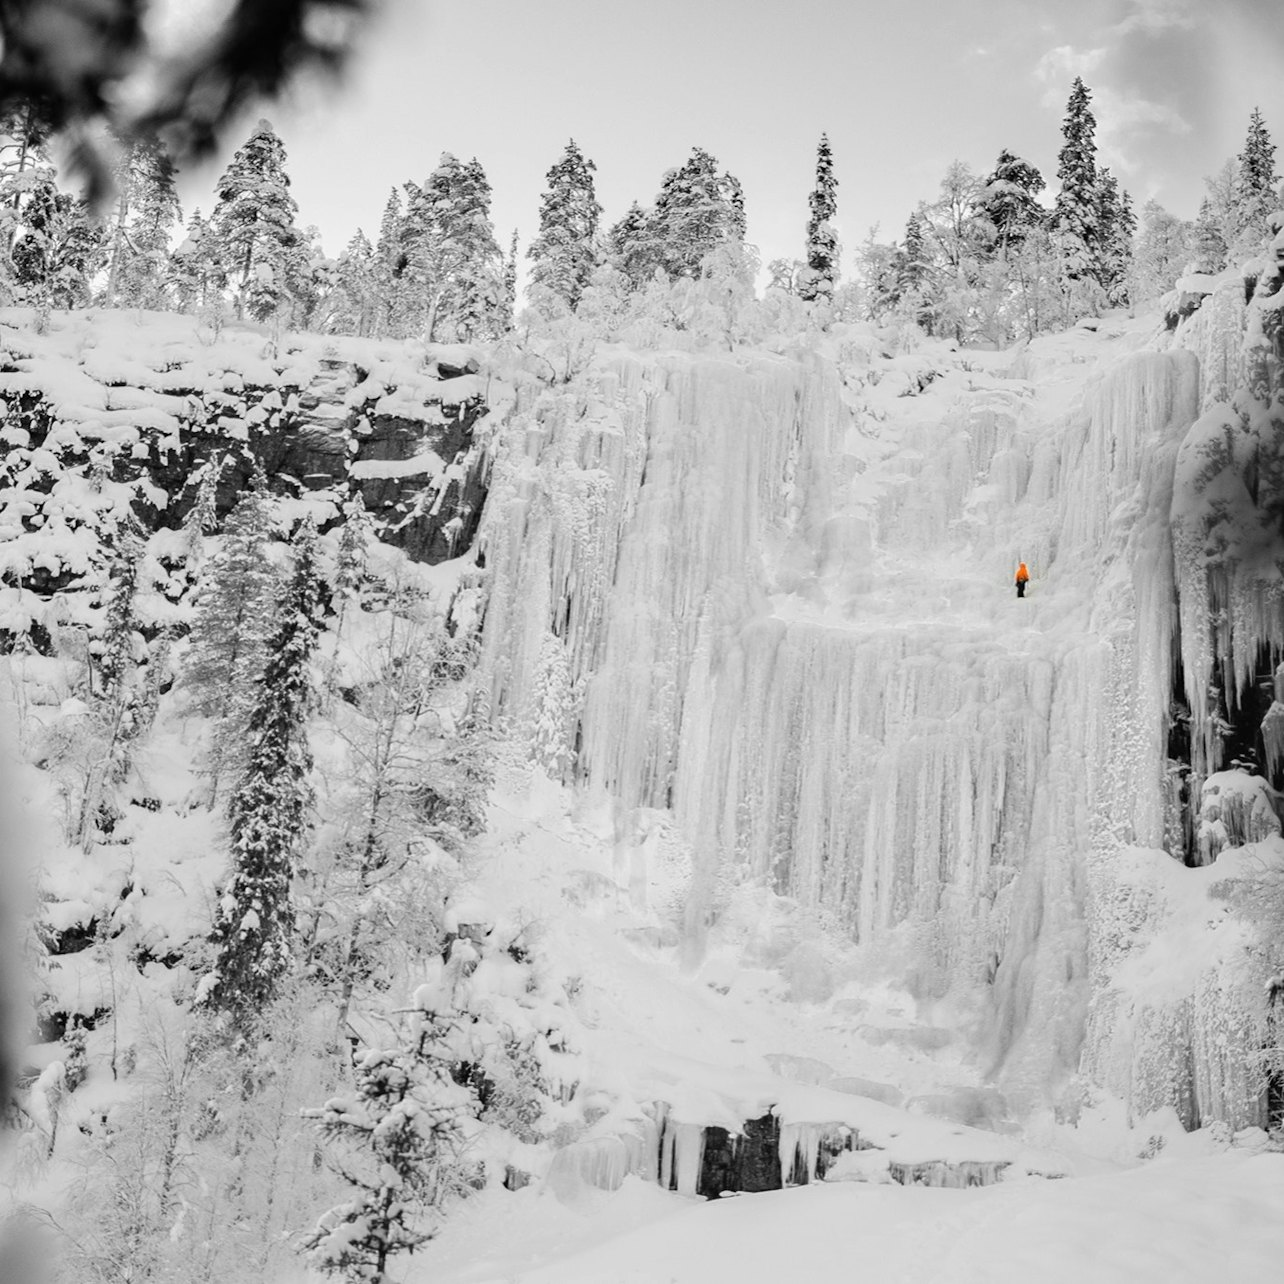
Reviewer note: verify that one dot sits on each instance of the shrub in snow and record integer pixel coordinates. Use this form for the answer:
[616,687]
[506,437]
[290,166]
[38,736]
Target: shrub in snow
[504,1026]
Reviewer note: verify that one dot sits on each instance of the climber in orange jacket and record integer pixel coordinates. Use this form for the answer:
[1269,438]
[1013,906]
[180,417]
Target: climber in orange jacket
[1022,576]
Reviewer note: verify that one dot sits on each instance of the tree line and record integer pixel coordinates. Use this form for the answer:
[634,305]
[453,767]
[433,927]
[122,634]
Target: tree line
[985,261]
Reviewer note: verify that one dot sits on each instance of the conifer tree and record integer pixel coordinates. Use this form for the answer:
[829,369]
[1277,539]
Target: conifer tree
[57,248]
[1210,244]
[139,232]
[1074,216]
[358,285]
[396,1140]
[697,210]
[510,278]
[1116,224]
[1255,185]
[564,253]
[911,272]
[195,272]
[821,274]
[254,927]
[630,248]
[449,262]
[253,224]
[1008,201]
[226,647]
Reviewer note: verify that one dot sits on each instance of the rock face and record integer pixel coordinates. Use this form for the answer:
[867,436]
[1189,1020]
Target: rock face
[102,416]
[747,1161]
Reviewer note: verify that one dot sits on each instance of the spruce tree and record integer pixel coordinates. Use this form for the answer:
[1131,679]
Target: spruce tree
[254,927]
[195,271]
[1008,201]
[1116,225]
[697,211]
[911,273]
[358,283]
[449,262]
[564,253]
[1255,185]
[1074,216]
[630,246]
[396,1141]
[253,224]
[139,231]
[1210,244]
[821,274]
[228,636]
[389,267]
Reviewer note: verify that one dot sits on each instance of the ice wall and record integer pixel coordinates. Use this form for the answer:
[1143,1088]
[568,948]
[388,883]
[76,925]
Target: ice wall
[774,596]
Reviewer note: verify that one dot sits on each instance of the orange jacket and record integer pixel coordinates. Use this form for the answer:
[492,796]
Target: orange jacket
[1022,574]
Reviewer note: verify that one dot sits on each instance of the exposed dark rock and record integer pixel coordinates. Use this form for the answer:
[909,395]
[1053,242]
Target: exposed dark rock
[747,1161]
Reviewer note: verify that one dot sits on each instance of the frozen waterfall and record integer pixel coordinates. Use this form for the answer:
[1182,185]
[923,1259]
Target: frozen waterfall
[772,594]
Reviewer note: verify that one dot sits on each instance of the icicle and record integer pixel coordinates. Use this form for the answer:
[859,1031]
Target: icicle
[683,1150]
[800,1152]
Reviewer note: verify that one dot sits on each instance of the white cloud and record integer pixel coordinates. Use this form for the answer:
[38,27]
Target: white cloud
[1123,117]
[1154,16]
[1059,66]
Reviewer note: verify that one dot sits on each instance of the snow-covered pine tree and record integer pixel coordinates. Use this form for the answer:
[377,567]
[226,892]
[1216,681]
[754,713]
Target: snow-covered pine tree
[396,1139]
[631,248]
[565,252]
[510,280]
[453,270]
[818,279]
[1255,186]
[229,630]
[389,267]
[253,224]
[254,926]
[196,273]
[1076,212]
[138,233]
[57,248]
[1116,225]
[1210,244]
[202,517]
[909,284]
[696,211]
[1008,201]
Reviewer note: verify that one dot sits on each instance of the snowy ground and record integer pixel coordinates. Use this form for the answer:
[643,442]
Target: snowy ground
[1179,1221]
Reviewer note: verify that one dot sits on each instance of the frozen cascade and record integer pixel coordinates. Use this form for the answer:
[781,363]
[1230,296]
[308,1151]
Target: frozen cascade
[738,560]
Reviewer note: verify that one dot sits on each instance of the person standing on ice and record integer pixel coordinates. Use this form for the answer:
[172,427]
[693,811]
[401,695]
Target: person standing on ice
[1022,576]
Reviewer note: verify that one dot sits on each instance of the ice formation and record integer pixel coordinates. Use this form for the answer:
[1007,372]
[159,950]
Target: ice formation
[774,593]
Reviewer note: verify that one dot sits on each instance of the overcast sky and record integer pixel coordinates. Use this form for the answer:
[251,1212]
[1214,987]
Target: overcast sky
[902,87]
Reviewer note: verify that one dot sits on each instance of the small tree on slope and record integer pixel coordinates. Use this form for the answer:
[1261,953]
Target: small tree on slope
[820,277]
[395,1139]
[254,926]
